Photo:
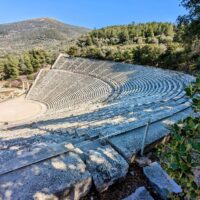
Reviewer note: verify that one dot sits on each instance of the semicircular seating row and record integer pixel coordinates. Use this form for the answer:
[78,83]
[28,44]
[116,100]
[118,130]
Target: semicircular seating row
[61,89]
[132,96]
[75,81]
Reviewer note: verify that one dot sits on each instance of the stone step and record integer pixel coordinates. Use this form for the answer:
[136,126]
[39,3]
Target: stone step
[129,143]
[39,153]
[88,145]
[62,125]
[126,126]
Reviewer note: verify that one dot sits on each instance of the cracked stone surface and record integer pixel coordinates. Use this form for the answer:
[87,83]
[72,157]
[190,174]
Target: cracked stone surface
[106,166]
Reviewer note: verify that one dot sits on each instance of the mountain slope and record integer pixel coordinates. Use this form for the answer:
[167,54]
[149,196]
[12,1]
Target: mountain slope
[42,32]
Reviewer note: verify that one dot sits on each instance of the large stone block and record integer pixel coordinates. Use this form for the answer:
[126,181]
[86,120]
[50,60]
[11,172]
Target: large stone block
[64,175]
[161,181]
[37,153]
[106,166]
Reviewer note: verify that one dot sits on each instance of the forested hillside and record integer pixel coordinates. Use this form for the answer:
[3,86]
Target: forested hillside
[130,34]
[157,44]
[166,45]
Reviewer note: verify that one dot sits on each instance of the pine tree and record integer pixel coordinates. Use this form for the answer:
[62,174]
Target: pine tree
[28,64]
[124,36]
[35,63]
[22,67]
[11,68]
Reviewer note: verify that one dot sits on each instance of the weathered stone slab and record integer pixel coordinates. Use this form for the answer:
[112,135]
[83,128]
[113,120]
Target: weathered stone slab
[64,175]
[140,194]
[161,181]
[36,154]
[106,166]
[128,144]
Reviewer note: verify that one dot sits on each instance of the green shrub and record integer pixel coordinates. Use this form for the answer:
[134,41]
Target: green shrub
[182,154]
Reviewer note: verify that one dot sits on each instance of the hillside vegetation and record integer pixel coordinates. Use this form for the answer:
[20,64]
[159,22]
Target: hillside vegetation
[43,33]
[11,67]
[156,44]
[161,44]
[27,46]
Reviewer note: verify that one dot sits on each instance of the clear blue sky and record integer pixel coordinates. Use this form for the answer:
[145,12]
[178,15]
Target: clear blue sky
[92,13]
